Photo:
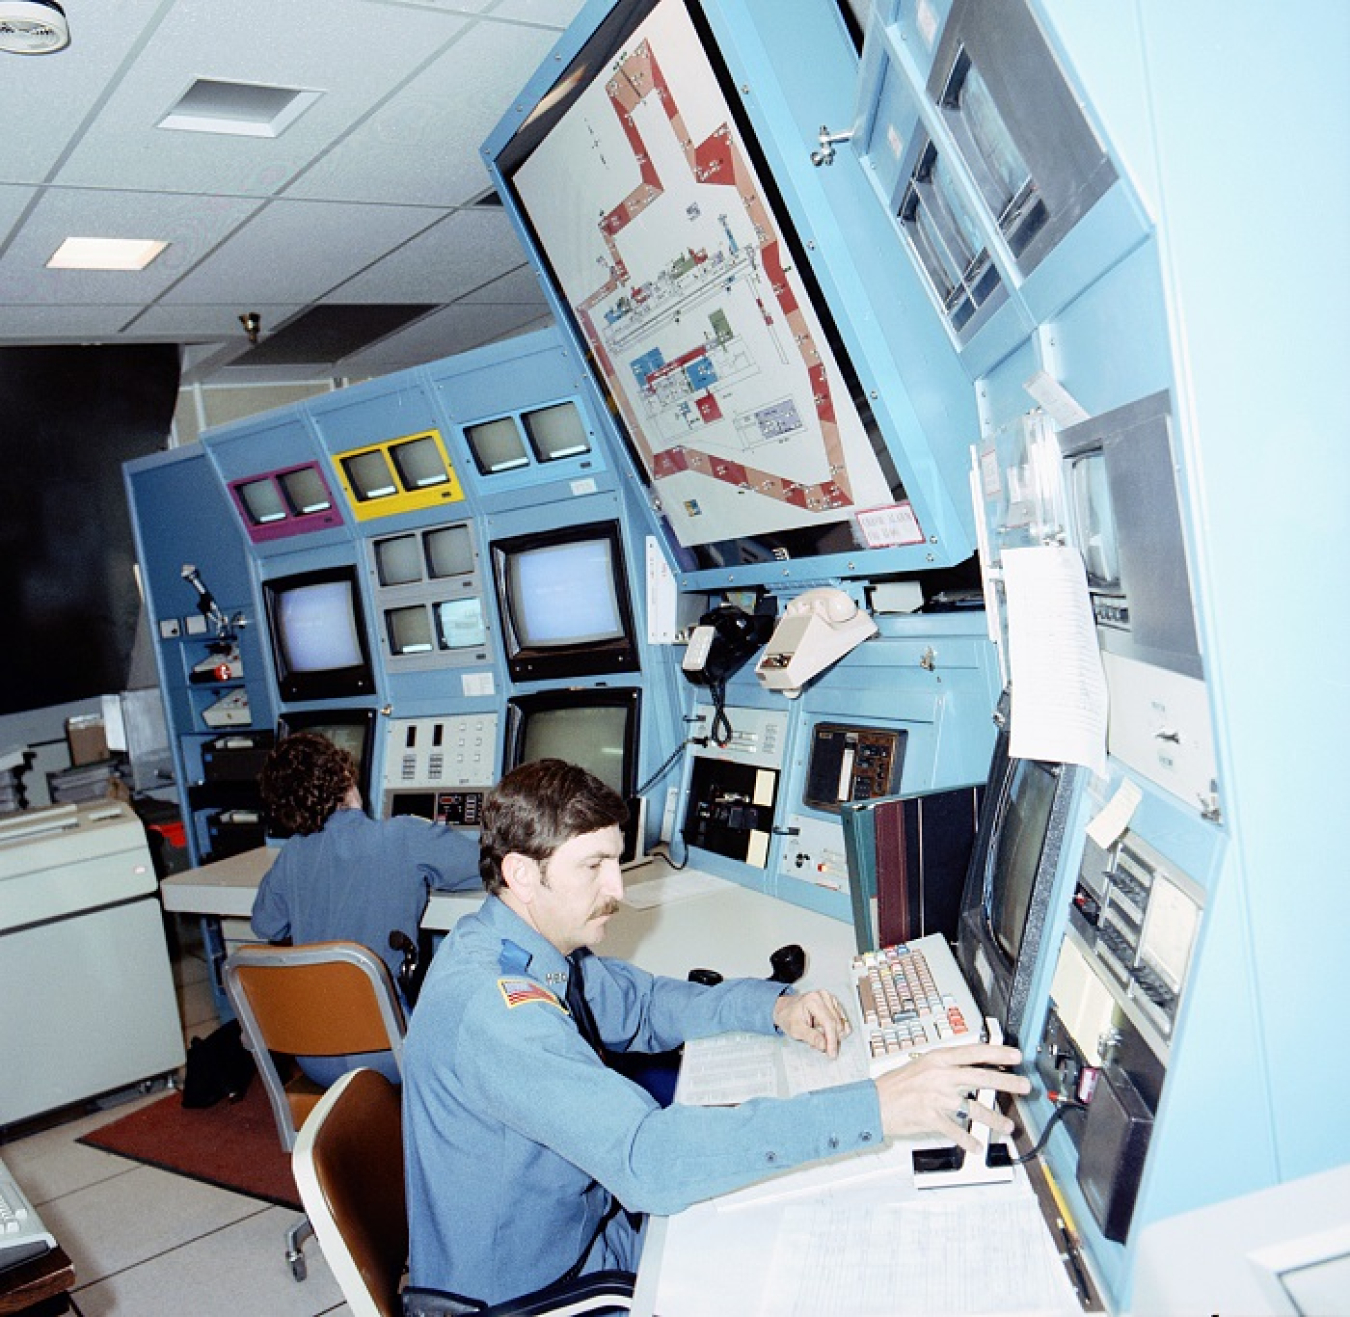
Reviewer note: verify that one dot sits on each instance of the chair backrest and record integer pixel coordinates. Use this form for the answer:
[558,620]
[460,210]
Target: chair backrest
[348,1164]
[317,999]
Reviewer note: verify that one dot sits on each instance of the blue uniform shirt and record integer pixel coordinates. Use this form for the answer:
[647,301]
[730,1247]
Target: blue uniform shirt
[517,1137]
[356,880]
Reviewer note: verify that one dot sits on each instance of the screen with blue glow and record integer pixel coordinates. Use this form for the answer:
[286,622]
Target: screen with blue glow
[564,594]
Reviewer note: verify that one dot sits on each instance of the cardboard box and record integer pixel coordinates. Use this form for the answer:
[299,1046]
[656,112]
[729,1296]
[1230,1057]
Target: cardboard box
[87,739]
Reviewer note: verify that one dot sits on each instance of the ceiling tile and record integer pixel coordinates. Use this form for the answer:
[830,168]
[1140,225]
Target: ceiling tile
[470,8]
[330,333]
[12,203]
[555,13]
[44,100]
[465,250]
[342,48]
[519,288]
[295,250]
[423,145]
[356,203]
[187,324]
[446,333]
[191,225]
[77,321]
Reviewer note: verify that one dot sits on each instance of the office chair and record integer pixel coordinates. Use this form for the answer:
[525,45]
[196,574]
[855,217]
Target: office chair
[317,999]
[348,1164]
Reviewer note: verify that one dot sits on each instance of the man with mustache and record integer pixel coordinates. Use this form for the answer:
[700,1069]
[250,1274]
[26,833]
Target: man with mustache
[527,1157]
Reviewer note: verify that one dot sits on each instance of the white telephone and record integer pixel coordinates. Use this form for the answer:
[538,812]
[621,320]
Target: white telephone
[817,629]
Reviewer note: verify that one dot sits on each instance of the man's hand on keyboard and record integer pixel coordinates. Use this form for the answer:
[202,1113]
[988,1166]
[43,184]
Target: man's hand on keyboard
[814,1017]
[928,1095]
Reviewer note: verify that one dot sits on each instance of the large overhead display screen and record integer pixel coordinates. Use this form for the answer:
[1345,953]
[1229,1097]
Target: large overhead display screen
[664,243]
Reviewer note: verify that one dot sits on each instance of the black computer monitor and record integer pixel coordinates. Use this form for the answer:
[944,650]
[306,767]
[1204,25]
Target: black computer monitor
[597,729]
[1010,882]
[352,730]
[563,597]
[318,634]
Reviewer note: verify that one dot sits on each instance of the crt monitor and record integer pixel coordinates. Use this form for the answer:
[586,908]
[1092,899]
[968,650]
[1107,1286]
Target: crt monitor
[1125,508]
[596,729]
[1010,881]
[318,635]
[563,596]
[1095,520]
[352,730]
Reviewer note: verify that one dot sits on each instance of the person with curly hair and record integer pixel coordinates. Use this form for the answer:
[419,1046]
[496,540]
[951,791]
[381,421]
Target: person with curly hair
[343,875]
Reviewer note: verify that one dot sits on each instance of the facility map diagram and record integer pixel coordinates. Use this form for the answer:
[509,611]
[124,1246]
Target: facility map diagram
[676,269]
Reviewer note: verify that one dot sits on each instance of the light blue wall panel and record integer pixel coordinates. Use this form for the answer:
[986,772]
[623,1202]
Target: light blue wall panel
[1257,303]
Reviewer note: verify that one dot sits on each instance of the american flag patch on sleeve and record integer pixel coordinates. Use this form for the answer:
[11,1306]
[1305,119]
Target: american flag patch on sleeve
[519,991]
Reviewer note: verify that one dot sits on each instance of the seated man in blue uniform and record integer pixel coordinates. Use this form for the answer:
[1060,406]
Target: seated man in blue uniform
[344,876]
[527,1157]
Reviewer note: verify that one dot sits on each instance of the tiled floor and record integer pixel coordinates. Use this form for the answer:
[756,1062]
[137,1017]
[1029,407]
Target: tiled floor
[146,1243]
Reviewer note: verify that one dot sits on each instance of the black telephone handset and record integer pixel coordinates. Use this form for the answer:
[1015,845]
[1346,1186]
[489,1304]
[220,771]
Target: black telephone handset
[723,643]
[787,963]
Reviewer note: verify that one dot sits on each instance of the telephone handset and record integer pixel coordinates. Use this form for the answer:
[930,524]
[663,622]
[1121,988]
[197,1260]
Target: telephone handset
[723,642]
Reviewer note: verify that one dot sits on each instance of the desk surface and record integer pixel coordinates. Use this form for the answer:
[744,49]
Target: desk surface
[866,1247]
[855,1237]
[703,921]
[225,888]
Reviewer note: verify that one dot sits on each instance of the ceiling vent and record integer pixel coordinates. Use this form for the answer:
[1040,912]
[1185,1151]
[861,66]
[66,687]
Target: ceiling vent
[32,27]
[237,109]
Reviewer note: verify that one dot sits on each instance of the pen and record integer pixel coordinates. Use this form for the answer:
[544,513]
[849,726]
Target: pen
[1068,1234]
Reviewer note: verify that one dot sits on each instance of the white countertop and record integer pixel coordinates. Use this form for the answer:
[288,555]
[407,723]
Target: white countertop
[224,888]
[692,920]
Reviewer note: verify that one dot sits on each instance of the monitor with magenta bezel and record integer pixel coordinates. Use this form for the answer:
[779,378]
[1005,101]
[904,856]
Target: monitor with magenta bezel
[1010,882]
[318,634]
[563,596]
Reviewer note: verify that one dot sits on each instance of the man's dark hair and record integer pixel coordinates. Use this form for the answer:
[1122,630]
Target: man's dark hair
[304,780]
[538,807]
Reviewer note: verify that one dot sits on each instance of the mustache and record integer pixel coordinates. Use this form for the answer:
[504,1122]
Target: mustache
[610,907]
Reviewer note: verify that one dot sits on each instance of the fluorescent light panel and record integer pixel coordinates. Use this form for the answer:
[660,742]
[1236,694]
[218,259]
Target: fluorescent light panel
[105,254]
[238,109]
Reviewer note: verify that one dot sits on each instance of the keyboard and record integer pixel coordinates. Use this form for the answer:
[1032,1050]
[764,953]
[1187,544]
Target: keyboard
[22,1234]
[911,998]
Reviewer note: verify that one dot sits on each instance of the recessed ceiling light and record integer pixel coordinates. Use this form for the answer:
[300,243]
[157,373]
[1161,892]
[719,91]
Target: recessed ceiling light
[105,254]
[239,109]
[32,27]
